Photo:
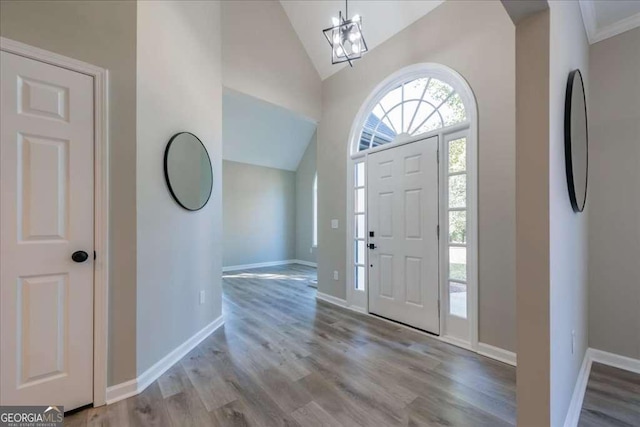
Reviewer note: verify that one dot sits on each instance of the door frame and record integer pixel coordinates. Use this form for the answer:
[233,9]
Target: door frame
[358,300]
[101,200]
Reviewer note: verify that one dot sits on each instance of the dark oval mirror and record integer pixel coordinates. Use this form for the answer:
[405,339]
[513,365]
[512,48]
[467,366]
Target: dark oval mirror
[187,169]
[576,141]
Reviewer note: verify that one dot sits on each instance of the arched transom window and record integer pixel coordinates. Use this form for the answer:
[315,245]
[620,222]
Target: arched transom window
[418,106]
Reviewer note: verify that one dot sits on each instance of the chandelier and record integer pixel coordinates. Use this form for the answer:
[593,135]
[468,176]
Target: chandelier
[345,38]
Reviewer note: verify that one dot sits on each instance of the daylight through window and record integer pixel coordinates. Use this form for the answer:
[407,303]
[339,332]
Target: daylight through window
[413,108]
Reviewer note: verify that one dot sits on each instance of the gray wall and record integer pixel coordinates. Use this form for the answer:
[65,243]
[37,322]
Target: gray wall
[263,57]
[305,175]
[259,214]
[614,197]
[568,254]
[102,34]
[179,252]
[477,39]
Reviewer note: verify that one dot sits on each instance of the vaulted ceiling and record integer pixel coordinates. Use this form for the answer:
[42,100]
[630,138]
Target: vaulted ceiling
[262,134]
[277,130]
[381,19]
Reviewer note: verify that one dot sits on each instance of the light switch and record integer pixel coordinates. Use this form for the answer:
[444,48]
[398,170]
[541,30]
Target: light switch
[334,223]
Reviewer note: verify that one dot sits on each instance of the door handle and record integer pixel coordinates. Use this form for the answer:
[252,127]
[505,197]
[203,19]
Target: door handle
[372,246]
[80,256]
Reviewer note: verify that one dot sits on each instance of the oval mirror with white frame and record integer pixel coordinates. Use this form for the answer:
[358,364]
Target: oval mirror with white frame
[576,141]
[187,170]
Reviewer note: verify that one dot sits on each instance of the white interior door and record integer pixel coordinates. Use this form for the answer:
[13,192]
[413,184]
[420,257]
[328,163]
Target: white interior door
[46,215]
[403,216]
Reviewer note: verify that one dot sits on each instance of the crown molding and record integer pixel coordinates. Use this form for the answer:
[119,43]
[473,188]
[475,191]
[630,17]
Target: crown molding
[595,34]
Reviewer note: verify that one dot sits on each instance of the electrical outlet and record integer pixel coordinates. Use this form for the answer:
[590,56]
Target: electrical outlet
[201,297]
[335,274]
[334,223]
[573,342]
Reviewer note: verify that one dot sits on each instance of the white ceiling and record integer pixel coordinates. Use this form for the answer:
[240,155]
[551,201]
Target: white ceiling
[381,19]
[263,134]
[607,18]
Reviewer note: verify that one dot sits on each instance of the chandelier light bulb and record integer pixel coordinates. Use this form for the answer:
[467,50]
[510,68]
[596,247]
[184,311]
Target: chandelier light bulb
[345,37]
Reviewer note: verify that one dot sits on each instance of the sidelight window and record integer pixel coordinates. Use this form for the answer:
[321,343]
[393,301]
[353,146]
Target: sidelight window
[360,236]
[457,226]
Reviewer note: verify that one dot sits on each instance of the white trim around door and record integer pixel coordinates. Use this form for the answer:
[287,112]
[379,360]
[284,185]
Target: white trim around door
[101,200]
[455,330]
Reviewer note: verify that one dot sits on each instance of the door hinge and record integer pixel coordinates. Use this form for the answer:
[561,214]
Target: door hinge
[94,255]
[438,307]
[438,230]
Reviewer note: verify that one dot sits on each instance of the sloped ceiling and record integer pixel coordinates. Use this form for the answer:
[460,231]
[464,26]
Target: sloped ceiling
[607,18]
[381,19]
[263,134]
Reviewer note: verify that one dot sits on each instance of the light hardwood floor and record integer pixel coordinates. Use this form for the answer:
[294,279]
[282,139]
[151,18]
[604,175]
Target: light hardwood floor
[612,398]
[283,358]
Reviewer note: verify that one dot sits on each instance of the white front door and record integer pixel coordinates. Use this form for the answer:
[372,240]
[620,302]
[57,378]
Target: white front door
[403,217]
[46,215]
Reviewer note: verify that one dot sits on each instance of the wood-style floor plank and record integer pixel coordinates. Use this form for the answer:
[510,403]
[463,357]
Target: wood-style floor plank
[612,398]
[234,414]
[312,415]
[285,359]
[148,408]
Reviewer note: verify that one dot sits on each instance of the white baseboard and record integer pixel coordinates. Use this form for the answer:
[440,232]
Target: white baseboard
[267,264]
[575,406]
[340,302]
[598,356]
[307,263]
[497,353]
[455,341]
[138,385]
[615,360]
[118,392]
[257,265]
[357,309]
[487,350]
[331,299]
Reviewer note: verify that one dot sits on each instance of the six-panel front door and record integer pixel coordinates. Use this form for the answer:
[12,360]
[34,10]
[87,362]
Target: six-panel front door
[46,215]
[403,217]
